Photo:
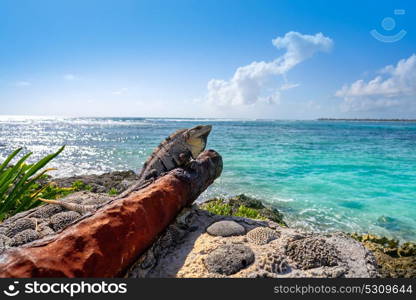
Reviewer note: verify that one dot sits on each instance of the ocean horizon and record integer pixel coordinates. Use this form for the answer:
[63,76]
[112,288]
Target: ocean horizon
[322,175]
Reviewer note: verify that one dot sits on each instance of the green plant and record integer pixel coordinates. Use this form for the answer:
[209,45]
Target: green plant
[79,185]
[243,206]
[53,191]
[19,189]
[247,212]
[113,191]
[218,207]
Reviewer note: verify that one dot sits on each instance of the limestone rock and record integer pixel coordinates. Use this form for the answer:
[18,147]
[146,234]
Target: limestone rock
[407,249]
[396,267]
[226,228]
[393,260]
[118,180]
[191,255]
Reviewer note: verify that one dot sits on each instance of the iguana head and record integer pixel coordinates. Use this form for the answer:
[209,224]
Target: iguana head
[196,138]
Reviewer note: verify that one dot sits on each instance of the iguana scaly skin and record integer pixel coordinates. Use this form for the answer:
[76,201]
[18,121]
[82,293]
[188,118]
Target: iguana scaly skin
[72,206]
[177,150]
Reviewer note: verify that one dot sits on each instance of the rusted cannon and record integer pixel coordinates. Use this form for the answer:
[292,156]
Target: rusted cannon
[106,242]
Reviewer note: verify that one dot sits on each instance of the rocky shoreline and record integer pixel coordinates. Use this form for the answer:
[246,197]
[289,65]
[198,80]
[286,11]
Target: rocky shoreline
[118,181]
[393,260]
[240,237]
[200,244]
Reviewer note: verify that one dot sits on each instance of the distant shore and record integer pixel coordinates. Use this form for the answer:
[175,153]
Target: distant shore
[368,120]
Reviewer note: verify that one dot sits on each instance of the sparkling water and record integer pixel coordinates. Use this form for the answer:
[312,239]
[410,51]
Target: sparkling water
[325,176]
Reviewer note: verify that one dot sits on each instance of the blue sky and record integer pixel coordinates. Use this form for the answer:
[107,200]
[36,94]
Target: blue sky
[228,59]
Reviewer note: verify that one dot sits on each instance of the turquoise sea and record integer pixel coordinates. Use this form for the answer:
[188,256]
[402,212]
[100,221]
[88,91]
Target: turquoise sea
[323,175]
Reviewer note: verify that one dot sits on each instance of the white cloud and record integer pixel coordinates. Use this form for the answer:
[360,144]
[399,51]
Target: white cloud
[22,83]
[70,77]
[288,86]
[257,82]
[393,86]
[299,47]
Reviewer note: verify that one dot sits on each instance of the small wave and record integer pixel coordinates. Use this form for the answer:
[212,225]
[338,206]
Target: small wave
[195,120]
[275,199]
[76,121]
[26,119]
[108,122]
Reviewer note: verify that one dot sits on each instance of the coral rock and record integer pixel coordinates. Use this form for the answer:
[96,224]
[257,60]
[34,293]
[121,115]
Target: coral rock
[4,241]
[262,235]
[312,252]
[226,228]
[62,219]
[46,211]
[19,226]
[274,263]
[24,237]
[229,259]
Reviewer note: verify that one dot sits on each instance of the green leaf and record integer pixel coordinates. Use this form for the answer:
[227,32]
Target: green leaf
[19,189]
[15,168]
[9,158]
[33,169]
[26,188]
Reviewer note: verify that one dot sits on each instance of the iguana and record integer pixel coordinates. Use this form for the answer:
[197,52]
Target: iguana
[178,149]
[175,151]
